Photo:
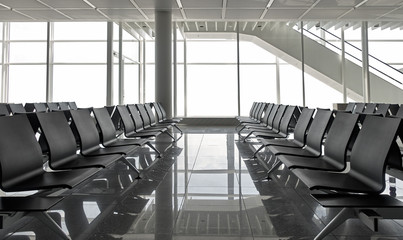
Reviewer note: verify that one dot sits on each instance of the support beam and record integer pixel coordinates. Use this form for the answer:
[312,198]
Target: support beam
[175,69]
[303,64]
[365,63]
[163,55]
[343,66]
[5,60]
[109,64]
[278,87]
[238,70]
[121,66]
[49,63]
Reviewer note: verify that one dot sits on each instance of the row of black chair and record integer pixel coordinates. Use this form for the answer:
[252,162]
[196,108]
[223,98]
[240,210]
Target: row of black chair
[7,109]
[332,152]
[22,158]
[384,109]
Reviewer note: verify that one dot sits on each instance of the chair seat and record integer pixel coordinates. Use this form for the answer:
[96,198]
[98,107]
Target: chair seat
[357,201]
[79,161]
[126,142]
[125,150]
[293,151]
[270,135]
[315,179]
[142,134]
[282,142]
[320,163]
[49,180]
[28,203]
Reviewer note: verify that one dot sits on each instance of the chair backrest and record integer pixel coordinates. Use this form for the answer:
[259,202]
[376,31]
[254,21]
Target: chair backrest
[260,111]
[126,119]
[64,106]
[359,108]
[371,150]
[163,112]
[317,130]
[399,112]
[150,114]
[158,112]
[4,110]
[252,109]
[72,105]
[136,118]
[287,119]
[58,136]
[16,108]
[350,107]
[144,116]
[277,119]
[343,130]
[272,115]
[302,125]
[383,109]
[370,108]
[20,153]
[40,107]
[52,106]
[265,118]
[106,126]
[87,130]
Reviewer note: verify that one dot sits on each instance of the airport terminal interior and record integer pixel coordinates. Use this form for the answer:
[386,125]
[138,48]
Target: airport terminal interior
[201,119]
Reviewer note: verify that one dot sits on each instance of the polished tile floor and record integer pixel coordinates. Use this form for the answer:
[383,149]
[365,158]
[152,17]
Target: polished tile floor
[204,187]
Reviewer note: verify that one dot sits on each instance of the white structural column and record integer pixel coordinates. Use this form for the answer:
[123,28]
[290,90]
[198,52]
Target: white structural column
[278,81]
[365,63]
[163,55]
[238,70]
[121,67]
[109,64]
[175,69]
[49,63]
[4,60]
[303,64]
[343,66]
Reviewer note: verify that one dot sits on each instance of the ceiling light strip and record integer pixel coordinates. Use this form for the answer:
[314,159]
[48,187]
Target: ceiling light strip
[309,9]
[266,9]
[139,9]
[89,4]
[224,8]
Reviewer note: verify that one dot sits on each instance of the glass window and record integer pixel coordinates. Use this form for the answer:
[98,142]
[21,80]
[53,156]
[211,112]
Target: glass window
[211,52]
[180,90]
[290,85]
[319,94]
[28,31]
[79,52]
[115,83]
[150,83]
[131,50]
[258,83]
[131,89]
[85,84]
[28,52]
[150,52]
[252,53]
[80,30]
[210,87]
[27,83]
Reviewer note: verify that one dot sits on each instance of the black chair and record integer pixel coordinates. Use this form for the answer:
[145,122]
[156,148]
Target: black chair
[370,108]
[64,106]
[342,133]
[90,140]
[154,121]
[72,105]
[52,106]
[21,160]
[163,116]
[129,126]
[4,110]
[36,107]
[262,124]
[62,145]
[370,155]
[359,108]
[146,119]
[15,108]
[267,125]
[350,107]
[300,131]
[108,132]
[251,112]
[257,116]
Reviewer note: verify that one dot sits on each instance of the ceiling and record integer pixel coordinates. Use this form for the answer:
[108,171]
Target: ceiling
[386,13]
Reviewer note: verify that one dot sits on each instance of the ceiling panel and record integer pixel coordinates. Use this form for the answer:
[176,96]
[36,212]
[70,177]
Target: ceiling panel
[204,14]
[243,14]
[284,14]
[247,4]
[150,3]
[395,15]
[325,13]
[132,14]
[388,3]
[205,4]
[176,14]
[44,14]
[292,3]
[66,4]
[21,4]
[84,14]
[8,15]
[337,3]
[111,3]
[367,13]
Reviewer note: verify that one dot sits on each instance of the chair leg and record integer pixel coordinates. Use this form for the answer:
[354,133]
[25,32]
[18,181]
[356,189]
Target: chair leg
[249,134]
[48,221]
[258,150]
[170,136]
[155,149]
[273,168]
[340,218]
[131,166]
